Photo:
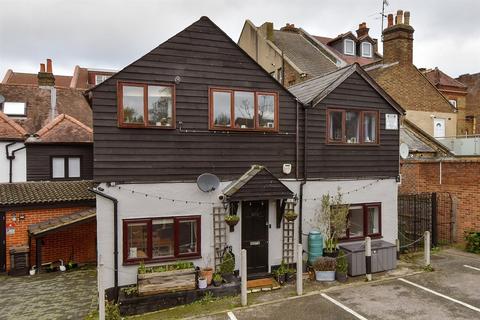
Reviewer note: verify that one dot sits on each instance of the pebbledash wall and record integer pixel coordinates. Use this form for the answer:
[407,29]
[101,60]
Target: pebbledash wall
[77,243]
[133,205]
[19,164]
[459,177]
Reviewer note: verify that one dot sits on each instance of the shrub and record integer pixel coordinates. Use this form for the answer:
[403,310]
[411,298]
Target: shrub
[473,241]
[342,263]
[325,264]
[112,312]
[228,263]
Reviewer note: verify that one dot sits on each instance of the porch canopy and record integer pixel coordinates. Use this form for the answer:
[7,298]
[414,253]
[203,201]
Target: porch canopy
[257,184]
[58,223]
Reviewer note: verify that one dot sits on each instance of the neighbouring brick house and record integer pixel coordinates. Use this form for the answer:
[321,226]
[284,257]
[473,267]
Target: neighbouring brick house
[456,93]
[48,221]
[472,81]
[425,105]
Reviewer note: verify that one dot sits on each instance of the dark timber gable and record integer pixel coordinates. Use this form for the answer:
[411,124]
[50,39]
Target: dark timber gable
[203,56]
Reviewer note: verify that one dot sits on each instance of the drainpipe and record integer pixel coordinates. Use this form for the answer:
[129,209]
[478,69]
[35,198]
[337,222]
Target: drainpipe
[11,158]
[99,192]
[305,171]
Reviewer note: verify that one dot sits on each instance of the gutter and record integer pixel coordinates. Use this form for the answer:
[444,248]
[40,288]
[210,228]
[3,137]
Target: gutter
[99,192]
[11,158]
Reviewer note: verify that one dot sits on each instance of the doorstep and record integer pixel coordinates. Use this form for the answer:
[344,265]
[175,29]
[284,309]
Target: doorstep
[264,284]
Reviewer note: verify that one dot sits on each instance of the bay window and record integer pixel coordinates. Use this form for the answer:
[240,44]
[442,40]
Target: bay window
[239,110]
[352,127]
[161,239]
[363,220]
[146,105]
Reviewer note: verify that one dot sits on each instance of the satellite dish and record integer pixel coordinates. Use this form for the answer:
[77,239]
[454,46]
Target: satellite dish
[404,151]
[208,182]
[2,99]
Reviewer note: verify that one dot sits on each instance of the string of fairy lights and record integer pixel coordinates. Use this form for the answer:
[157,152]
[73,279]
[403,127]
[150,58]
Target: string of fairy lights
[212,203]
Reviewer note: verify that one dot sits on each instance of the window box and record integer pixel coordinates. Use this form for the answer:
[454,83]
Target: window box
[146,105]
[243,110]
[363,220]
[161,239]
[353,127]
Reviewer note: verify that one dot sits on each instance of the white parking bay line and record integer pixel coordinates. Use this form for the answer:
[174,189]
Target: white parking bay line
[344,307]
[467,266]
[231,315]
[441,295]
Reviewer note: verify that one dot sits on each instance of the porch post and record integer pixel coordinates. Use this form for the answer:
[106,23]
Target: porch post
[299,269]
[426,242]
[38,254]
[368,258]
[243,270]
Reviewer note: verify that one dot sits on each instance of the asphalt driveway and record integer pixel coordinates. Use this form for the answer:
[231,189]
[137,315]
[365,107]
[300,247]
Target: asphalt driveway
[451,292]
[58,295]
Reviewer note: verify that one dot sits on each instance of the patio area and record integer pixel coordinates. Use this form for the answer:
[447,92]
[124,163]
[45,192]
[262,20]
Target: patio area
[58,295]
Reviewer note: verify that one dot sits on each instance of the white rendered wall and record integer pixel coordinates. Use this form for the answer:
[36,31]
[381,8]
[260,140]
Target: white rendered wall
[138,206]
[19,172]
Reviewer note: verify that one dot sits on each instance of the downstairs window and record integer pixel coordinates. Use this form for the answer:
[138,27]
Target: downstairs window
[363,220]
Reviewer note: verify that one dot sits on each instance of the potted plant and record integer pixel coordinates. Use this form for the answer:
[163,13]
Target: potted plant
[290,215]
[207,273]
[202,282]
[332,220]
[232,220]
[217,279]
[342,267]
[227,266]
[280,273]
[324,269]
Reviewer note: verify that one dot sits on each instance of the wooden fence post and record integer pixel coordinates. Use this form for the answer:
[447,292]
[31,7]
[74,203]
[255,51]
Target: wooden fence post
[397,244]
[299,269]
[243,275]
[368,258]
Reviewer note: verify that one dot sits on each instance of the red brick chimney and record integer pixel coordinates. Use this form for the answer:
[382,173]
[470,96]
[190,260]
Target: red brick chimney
[398,39]
[362,30]
[46,78]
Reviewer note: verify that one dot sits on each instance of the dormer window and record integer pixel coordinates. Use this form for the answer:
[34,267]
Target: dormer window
[366,49]
[349,47]
[14,109]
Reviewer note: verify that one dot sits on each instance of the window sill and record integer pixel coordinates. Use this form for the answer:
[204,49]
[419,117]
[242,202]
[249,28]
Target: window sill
[133,126]
[146,262]
[252,130]
[353,144]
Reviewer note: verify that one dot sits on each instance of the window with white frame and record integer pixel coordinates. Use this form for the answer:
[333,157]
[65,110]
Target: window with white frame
[453,102]
[349,47]
[14,109]
[99,78]
[366,49]
[66,167]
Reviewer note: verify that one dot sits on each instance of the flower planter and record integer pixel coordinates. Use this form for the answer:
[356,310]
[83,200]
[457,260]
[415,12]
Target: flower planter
[281,279]
[207,273]
[167,281]
[341,276]
[290,216]
[202,283]
[325,275]
[217,283]
[332,254]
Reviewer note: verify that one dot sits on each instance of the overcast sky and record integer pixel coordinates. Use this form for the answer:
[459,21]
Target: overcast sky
[112,33]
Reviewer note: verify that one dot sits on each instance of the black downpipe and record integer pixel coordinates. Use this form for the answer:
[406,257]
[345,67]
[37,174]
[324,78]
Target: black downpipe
[305,171]
[10,159]
[115,234]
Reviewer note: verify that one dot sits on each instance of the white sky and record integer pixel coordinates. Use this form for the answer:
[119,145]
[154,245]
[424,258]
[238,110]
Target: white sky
[112,33]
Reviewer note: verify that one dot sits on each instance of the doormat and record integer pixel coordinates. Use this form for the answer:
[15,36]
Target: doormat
[265,284]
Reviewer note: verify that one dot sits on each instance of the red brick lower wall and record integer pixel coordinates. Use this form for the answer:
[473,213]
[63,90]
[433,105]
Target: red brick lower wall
[77,243]
[461,178]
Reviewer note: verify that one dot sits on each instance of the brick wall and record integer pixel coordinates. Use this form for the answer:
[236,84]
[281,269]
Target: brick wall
[77,242]
[458,177]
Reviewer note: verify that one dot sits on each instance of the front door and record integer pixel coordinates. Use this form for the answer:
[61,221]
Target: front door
[3,243]
[255,235]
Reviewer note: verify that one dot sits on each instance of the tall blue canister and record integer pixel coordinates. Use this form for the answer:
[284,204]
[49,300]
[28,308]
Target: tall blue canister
[315,245]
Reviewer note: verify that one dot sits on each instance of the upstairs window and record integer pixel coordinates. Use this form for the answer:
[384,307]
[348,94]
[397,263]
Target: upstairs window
[243,110]
[352,127]
[15,109]
[453,102]
[99,78]
[349,47]
[66,168]
[366,49]
[146,105]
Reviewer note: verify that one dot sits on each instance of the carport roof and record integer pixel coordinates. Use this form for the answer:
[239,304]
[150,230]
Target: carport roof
[61,222]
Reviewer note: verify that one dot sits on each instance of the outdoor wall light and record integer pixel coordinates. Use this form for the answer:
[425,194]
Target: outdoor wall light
[14,216]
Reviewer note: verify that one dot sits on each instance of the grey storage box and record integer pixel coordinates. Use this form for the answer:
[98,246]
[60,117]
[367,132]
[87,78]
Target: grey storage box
[384,257]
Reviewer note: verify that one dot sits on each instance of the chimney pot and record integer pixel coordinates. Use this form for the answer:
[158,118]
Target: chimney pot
[399,17]
[390,20]
[42,67]
[49,66]
[407,17]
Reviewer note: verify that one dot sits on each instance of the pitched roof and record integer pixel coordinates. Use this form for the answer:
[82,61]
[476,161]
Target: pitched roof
[439,78]
[61,222]
[45,192]
[313,91]
[9,129]
[12,77]
[256,184]
[305,55]
[69,101]
[63,128]
[419,141]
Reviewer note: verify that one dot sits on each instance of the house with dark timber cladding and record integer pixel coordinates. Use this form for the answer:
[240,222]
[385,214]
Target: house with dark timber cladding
[199,104]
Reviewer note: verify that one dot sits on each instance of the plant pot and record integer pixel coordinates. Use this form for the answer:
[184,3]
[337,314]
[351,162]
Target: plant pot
[341,276]
[232,223]
[325,276]
[63,268]
[290,215]
[217,283]
[32,272]
[281,279]
[228,277]
[332,254]
[202,283]
[207,273]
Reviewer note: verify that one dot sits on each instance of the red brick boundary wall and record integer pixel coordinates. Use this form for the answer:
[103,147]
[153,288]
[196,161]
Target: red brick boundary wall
[77,242]
[461,178]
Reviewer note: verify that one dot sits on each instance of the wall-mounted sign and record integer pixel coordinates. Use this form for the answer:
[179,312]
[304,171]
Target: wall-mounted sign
[391,121]
[10,231]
